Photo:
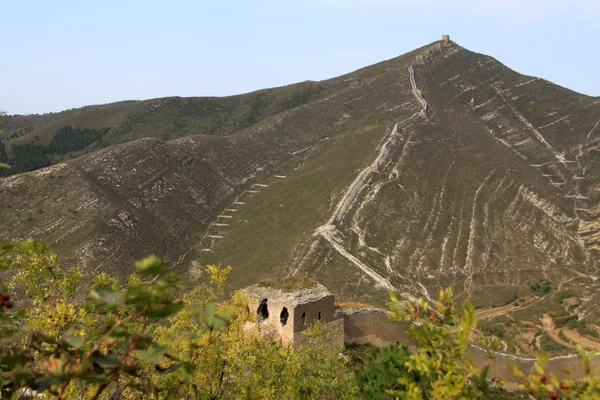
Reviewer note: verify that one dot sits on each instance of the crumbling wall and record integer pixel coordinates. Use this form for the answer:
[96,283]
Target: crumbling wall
[311,311]
[275,308]
[371,326]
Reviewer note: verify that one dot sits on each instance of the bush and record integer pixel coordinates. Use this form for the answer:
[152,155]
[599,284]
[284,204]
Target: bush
[494,329]
[542,288]
[562,296]
[382,373]
[145,338]
[142,338]
[547,344]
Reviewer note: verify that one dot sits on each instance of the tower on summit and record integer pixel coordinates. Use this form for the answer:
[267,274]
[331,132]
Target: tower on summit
[445,38]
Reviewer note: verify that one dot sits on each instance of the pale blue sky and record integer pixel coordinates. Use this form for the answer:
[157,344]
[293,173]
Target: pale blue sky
[63,54]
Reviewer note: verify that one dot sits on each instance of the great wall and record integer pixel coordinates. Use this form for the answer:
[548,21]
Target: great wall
[373,326]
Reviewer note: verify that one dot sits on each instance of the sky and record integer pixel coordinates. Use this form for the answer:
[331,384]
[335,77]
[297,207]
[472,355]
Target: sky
[56,55]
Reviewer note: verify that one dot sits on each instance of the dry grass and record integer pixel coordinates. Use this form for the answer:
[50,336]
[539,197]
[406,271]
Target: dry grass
[353,305]
[289,283]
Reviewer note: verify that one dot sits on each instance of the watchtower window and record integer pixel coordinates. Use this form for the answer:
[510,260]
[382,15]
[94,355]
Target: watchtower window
[319,316]
[303,319]
[263,310]
[283,317]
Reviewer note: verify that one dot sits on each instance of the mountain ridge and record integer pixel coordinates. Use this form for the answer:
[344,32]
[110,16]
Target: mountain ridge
[489,185]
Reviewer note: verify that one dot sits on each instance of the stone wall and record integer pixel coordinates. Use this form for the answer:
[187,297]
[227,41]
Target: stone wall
[371,326]
[324,306]
[295,323]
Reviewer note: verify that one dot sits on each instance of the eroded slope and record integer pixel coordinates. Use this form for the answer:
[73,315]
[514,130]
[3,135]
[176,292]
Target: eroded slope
[483,189]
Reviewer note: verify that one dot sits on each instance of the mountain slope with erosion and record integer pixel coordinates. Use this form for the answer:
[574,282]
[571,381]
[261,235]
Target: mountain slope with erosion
[438,167]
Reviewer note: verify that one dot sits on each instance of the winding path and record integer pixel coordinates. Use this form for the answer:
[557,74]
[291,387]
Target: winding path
[329,231]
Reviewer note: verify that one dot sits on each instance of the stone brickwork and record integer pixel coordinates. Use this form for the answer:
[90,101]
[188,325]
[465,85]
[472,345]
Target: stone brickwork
[286,313]
[289,311]
[371,326]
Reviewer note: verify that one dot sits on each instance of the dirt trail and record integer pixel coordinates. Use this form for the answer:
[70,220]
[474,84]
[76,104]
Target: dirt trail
[554,336]
[577,338]
[492,312]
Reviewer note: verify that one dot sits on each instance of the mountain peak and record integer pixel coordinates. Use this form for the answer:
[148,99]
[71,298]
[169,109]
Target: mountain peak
[439,167]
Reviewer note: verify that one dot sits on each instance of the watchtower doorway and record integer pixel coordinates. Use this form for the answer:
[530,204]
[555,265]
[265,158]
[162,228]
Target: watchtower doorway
[263,310]
[283,317]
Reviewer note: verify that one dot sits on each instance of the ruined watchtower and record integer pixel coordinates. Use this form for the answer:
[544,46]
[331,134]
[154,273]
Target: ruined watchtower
[446,39]
[290,304]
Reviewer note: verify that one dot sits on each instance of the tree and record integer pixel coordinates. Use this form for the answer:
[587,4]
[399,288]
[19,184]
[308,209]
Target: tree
[144,338]
[3,155]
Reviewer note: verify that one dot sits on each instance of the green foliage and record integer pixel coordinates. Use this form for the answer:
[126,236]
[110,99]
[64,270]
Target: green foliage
[582,327]
[563,295]
[143,338]
[360,354]
[495,329]
[302,96]
[562,336]
[542,288]
[568,320]
[547,344]
[381,374]
[511,299]
[28,157]
[543,384]
[3,155]
[439,368]
[70,139]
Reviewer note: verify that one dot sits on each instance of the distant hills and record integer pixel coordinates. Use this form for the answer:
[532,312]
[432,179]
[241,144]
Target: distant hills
[441,166]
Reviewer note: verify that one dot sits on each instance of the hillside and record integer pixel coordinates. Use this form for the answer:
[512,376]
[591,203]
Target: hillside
[438,167]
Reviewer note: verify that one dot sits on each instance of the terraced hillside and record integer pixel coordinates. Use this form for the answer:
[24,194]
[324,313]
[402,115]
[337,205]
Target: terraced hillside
[107,208]
[438,167]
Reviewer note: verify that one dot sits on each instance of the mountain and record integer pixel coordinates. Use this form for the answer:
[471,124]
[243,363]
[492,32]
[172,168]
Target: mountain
[439,167]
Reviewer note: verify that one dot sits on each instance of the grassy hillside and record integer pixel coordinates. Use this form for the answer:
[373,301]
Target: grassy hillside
[439,167]
[165,118]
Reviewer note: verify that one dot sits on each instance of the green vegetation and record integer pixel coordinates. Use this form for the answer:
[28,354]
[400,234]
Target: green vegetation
[511,299]
[3,155]
[563,295]
[547,344]
[478,96]
[302,96]
[495,329]
[70,139]
[380,373]
[562,336]
[565,321]
[29,157]
[582,328]
[145,338]
[542,288]
[165,118]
